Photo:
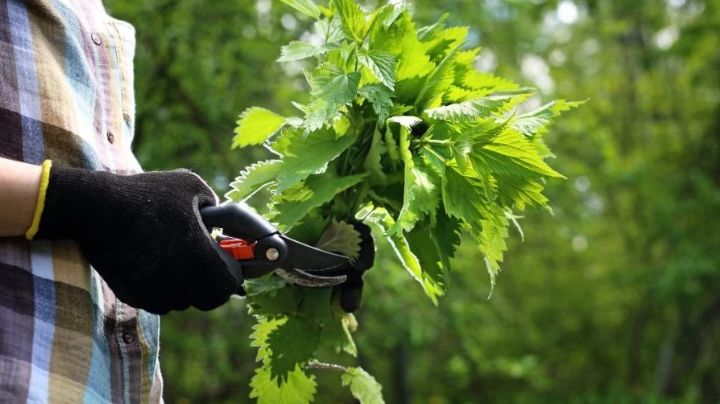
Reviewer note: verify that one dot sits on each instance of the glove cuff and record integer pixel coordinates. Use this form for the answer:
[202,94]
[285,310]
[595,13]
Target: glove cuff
[40,205]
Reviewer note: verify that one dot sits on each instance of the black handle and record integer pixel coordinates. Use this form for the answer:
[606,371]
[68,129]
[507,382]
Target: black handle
[237,220]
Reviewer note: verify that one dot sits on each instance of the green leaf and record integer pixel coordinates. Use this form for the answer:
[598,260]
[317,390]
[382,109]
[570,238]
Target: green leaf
[322,145]
[511,152]
[287,351]
[259,337]
[352,18]
[373,161]
[363,386]
[299,388]
[307,7]
[532,122]
[331,90]
[461,196]
[322,189]
[380,98]
[341,238]
[255,126]
[253,178]
[420,195]
[409,261]
[433,261]
[297,50]
[468,111]
[382,64]
[436,84]
[491,239]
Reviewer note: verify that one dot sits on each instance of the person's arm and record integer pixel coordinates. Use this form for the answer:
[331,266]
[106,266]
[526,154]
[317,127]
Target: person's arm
[19,184]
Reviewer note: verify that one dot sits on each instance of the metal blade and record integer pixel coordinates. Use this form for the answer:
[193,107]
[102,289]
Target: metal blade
[302,278]
[311,259]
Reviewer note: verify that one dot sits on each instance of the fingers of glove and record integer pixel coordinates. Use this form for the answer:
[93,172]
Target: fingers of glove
[215,280]
[366,257]
[350,298]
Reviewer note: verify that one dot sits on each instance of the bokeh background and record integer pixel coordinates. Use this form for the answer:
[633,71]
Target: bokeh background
[613,298]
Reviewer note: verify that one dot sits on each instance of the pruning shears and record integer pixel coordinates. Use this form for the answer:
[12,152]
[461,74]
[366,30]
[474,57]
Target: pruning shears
[260,248]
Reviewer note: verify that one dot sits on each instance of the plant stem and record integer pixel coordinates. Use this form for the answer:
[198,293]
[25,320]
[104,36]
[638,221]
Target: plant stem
[316,365]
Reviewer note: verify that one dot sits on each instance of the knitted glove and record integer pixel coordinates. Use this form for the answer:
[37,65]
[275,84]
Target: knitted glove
[143,234]
[350,291]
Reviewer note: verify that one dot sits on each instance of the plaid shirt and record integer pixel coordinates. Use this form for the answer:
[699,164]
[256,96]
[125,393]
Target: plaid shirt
[66,94]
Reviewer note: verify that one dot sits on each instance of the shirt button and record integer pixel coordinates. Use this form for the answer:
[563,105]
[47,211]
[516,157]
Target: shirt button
[96,39]
[110,137]
[128,337]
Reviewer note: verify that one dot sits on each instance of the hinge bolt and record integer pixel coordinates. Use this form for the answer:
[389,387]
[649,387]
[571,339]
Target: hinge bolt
[272,254]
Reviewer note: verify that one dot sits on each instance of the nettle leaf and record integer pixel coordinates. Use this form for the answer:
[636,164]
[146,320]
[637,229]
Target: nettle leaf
[421,194]
[530,123]
[341,238]
[381,218]
[259,337]
[441,43]
[255,126]
[352,18]
[373,162]
[321,189]
[380,98]
[297,50]
[491,239]
[307,7]
[468,111]
[298,388]
[253,178]
[331,90]
[511,152]
[461,196]
[382,64]
[363,386]
[304,157]
[288,351]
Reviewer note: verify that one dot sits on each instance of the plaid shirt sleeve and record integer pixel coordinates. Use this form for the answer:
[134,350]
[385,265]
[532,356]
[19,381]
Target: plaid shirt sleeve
[66,94]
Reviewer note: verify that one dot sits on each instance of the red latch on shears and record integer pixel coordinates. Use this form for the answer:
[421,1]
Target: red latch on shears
[238,248]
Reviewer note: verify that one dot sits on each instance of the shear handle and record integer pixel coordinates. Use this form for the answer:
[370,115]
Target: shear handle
[237,220]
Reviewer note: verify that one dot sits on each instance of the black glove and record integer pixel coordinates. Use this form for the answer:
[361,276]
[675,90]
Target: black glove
[350,291]
[144,235]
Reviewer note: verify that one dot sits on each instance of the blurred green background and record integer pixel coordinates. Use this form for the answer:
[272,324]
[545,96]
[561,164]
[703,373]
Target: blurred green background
[614,298]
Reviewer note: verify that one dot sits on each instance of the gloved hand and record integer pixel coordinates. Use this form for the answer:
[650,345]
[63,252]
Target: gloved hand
[143,234]
[350,291]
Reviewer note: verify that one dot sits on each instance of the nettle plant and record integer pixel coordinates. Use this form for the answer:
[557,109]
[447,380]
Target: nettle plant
[399,131]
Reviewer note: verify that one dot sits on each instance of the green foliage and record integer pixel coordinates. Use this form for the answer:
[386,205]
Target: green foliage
[363,386]
[392,107]
[255,126]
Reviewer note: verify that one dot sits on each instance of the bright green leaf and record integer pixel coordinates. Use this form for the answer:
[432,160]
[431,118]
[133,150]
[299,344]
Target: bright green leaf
[363,386]
[321,145]
[297,50]
[352,18]
[307,7]
[255,126]
[382,64]
[299,388]
[322,190]
[253,178]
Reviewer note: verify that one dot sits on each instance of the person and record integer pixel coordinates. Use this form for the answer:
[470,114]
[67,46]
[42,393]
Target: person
[92,249]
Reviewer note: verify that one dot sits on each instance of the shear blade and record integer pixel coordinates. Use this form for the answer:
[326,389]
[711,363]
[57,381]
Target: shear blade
[302,278]
[312,259]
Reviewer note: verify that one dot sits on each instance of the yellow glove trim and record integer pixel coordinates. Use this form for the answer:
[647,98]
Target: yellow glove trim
[40,206]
